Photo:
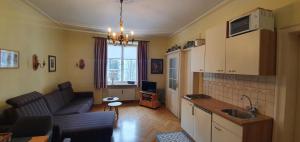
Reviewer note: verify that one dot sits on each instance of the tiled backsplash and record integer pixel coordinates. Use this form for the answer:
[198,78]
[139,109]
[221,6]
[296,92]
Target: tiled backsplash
[230,88]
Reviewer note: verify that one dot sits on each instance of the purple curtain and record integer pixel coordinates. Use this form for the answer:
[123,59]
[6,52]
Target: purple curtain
[100,62]
[142,61]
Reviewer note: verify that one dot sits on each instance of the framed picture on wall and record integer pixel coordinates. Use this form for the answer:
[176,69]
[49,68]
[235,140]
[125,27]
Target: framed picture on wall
[157,66]
[9,59]
[51,63]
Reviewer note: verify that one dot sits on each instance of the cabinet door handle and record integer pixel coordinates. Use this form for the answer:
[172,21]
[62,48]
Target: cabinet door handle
[219,129]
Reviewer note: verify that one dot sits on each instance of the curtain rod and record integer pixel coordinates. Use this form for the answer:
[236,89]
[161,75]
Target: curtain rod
[134,40]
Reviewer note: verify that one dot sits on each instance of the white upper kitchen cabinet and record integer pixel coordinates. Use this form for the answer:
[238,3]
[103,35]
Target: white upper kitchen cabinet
[252,53]
[215,49]
[197,59]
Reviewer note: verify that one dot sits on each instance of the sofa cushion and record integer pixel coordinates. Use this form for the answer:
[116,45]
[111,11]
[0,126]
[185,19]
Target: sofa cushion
[31,104]
[66,91]
[77,105]
[86,126]
[24,99]
[36,108]
[54,101]
[73,109]
[32,126]
[79,100]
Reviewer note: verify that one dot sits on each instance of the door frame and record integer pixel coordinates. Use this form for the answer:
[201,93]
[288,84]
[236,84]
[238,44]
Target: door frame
[286,84]
[176,54]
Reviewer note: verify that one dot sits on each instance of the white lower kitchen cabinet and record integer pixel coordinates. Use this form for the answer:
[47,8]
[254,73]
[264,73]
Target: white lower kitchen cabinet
[225,131]
[195,121]
[187,116]
[220,134]
[206,126]
[202,125]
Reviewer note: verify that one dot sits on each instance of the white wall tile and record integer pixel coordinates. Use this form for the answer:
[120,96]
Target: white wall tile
[230,88]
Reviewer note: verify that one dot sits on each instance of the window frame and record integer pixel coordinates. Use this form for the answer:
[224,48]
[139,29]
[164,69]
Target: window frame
[122,70]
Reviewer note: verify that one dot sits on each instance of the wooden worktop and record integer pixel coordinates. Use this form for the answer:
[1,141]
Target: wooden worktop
[215,106]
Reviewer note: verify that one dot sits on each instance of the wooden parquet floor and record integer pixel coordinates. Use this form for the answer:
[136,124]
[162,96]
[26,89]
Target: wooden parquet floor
[141,124]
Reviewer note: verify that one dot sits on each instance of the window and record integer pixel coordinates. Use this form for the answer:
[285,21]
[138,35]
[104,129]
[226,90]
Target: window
[121,63]
[173,74]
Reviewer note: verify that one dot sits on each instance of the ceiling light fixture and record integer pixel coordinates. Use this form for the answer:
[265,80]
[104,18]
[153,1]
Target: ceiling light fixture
[120,38]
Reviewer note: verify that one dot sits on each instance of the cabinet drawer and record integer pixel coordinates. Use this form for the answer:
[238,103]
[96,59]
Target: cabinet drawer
[220,134]
[230,126]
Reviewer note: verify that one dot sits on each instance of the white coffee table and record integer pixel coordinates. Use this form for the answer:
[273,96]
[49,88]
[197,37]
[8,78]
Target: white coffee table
[108,100]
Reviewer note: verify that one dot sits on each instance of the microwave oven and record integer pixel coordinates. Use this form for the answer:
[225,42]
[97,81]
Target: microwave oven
[257,19]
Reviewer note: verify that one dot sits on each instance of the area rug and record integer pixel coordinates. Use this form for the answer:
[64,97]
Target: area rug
[172,137]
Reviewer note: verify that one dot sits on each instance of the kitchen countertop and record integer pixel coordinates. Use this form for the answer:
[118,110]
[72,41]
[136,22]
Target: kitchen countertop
[215,106]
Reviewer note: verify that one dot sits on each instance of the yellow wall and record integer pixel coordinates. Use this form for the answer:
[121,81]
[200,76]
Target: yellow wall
[287,13]
[25,30]
[157,50]
[80,45]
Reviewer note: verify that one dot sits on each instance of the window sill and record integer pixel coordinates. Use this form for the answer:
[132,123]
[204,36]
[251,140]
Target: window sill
[121,86]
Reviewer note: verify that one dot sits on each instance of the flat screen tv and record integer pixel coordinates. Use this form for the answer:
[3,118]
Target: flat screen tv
[149,86]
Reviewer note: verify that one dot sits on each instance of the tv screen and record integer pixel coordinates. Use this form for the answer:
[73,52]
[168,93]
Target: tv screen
[149,86]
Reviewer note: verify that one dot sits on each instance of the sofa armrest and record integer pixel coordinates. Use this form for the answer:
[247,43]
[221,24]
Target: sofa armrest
[84,94]
[5,128]
[32,126]
[3,119]
[56,134]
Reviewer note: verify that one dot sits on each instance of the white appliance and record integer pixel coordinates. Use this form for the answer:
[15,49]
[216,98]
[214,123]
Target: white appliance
[254,20]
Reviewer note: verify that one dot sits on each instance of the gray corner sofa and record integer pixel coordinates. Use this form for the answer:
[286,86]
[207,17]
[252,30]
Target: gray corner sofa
[69,111]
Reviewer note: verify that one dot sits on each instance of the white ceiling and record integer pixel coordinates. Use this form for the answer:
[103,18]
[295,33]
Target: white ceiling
[145,17]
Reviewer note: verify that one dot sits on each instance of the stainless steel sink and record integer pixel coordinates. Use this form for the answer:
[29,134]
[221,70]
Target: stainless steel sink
[239,114]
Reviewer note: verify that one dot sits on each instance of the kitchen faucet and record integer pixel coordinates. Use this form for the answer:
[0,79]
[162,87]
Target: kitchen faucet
[251,109]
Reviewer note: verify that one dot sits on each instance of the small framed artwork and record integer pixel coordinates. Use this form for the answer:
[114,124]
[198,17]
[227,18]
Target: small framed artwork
[157,66]
[9,59]
[51,63]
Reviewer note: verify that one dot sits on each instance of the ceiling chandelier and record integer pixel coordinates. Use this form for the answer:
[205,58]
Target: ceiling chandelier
[120,38]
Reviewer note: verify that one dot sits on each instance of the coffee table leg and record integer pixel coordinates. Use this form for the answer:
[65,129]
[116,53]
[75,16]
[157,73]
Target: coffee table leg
[105,106]
[117,112]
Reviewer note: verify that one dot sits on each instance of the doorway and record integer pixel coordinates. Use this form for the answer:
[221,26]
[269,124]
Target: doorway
[287,106]
[172,95]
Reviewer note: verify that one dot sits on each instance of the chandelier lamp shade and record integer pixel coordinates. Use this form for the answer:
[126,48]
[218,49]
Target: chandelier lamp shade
[121,38]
